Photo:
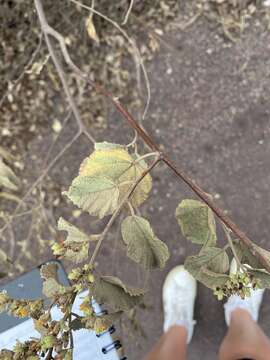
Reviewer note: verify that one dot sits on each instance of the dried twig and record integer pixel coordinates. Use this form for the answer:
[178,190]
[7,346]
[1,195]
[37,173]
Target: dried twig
[47,30]
[128,12]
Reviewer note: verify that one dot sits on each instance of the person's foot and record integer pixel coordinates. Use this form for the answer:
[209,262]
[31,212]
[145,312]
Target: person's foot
[179,293]
[251,304]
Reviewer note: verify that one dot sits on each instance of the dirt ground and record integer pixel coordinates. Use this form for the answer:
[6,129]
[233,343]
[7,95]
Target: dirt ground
[210,109]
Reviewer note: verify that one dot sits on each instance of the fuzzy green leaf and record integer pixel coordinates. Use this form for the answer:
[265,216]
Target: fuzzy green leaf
[107,146]
[142,245]
[246,256]
[76,245]
[98,195]
[111,290]
[262,275]
[49,270]
[51,288]
[204,267]
[78,253]
[215,259]
[114,162]
[74,234]
[197,222]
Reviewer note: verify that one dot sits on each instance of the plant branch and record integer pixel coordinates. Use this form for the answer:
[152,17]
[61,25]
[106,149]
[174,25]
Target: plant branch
[117,211]
[128,12]
[149,141]
[48,30]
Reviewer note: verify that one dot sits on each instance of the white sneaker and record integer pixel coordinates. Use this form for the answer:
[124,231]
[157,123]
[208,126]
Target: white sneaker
[179,292]
[251,304]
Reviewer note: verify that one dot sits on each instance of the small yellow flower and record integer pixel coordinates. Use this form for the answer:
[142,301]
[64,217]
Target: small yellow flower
[86,308]
[91,278]
[100,326]
[22,312]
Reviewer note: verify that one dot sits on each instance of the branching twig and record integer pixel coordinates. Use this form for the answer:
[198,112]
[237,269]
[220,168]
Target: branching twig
[128,12]
[150,142]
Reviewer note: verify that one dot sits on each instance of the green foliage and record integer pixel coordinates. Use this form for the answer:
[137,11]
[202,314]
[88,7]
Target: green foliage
[74,234]
[51,286]
[104,179]
[199,267]
[98,195]
[240,283]
[103,187]
[216,259]
[197,222]
[262,275]
[247,257]
[142,245]
[76,245]
[111,290]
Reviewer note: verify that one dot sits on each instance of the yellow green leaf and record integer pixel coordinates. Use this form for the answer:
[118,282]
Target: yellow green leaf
[114,162]
[97,194]
[74,234]
[142,245]
[197,266]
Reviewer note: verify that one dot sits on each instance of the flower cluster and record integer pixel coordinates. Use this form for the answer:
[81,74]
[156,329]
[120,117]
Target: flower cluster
[241,284]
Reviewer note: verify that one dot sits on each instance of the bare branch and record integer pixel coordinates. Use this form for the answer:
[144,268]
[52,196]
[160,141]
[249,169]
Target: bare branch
[48,30]
[128,12]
